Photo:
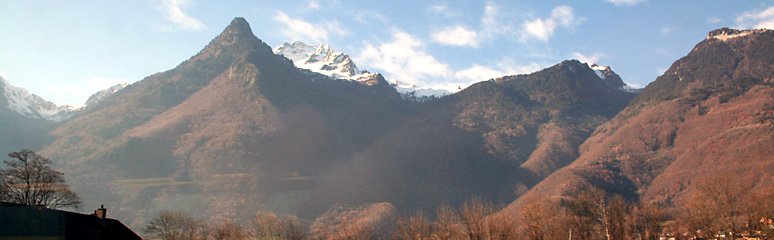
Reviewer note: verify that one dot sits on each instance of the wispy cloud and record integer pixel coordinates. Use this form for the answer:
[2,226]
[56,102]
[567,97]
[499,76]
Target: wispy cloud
[456,36]
[667,30]
[492,23]
[176,15]
[477,73]
[714,20]
[442,9]
[757,18]
[404,59]
[297,29]
[66,92]
[625,2]
[543,28]
[312,5]
[588,58]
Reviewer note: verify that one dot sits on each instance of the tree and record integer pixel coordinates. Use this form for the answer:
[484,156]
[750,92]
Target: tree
[416,227]
[28,179]
[448,224]
[474,215]
[228,231]
[170,225]
[267,225]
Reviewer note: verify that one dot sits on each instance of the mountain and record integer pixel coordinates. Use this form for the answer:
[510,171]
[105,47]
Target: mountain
[236,128]
[97,97]
[30,105]
[325,60]
[22,116]
[709,115]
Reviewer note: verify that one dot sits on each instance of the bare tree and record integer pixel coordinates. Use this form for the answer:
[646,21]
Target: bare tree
[170,225]
[595,215]
[28,179]
[448,224]
[267,225]
[474,215]
[416,227]
[228,231]
[717,206]
[544,220]
[645,222]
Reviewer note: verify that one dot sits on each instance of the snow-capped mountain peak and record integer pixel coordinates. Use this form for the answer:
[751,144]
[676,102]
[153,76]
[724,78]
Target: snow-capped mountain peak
[415,92]
[102,94]
[325,60]
[605,72]
[30,105]
[601,71]
[321,59]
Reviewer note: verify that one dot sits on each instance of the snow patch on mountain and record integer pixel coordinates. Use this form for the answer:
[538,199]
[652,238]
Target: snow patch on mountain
[31,105]
[413,92]
[603,72]
[725,34]
[94,99]
[327,61]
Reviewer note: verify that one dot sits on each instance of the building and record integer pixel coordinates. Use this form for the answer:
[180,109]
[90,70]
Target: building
[19,221]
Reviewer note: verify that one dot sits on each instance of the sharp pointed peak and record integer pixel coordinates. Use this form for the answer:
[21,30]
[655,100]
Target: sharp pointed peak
[237,27]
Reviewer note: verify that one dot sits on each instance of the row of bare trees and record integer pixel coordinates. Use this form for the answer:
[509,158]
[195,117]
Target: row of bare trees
[475,220]
[171,225]
[720,207]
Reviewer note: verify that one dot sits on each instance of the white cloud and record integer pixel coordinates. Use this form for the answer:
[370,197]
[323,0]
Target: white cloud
[625,2]
[713,20]
[543,28]
[297,29]
[667,30]
[312,5]
[456,36]
[175,14]
[510,67]
[757,19]
[76,93]
[441,9]
[3,74]
[477,73]
[404,59]
[591,59]
[491,22]
[366,16]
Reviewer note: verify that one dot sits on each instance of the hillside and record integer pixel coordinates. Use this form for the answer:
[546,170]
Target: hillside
[709,115]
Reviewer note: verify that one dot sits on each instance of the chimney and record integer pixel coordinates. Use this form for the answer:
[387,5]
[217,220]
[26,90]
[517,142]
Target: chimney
[101,212]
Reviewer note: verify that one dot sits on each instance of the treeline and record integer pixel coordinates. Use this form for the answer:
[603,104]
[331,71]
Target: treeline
[721,208]
[170,225]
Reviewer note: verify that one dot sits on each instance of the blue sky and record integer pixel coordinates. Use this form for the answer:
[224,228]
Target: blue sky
[66,50]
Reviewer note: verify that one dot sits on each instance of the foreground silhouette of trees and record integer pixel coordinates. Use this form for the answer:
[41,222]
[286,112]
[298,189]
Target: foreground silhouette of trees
[29,179]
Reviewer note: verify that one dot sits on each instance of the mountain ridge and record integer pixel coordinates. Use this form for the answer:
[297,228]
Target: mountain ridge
[707,115]
[238,123]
